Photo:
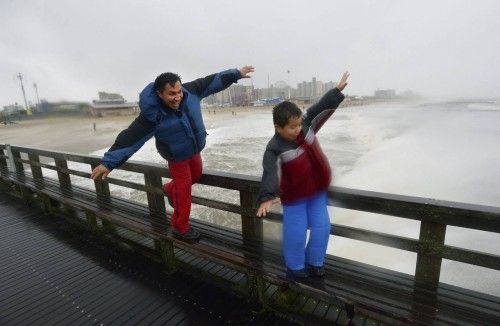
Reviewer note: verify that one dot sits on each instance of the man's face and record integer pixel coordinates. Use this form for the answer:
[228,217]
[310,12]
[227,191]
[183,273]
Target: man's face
[172,95]
[291,130]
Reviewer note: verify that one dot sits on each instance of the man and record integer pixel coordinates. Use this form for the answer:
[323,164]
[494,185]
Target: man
[171,112]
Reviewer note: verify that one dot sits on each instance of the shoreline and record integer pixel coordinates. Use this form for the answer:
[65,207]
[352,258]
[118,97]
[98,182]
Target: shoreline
[74,133]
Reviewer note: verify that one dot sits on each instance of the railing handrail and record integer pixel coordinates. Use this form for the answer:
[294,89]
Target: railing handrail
[474,216]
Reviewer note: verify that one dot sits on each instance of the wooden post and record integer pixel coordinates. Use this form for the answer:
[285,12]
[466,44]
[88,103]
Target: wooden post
[156,202]
[256,287]
[4,169]
[64,178]
[251,226]
[253,235]
[103,199]
[157,211]
[36,170]
[19,172]
[166,249]
[428,267]
[46,204]
[64,183]
[18,167]
[91,221]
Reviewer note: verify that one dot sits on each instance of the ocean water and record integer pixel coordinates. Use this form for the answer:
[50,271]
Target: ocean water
[443,151]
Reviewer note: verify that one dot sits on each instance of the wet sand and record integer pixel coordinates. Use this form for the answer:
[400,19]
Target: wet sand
[75,134]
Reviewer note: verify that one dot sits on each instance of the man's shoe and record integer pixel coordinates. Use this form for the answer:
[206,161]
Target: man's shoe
[190,235]
[164,188]
[316,271]
[297,275]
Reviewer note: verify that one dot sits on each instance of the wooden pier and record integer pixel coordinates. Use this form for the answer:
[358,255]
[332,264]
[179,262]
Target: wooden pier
[242,263]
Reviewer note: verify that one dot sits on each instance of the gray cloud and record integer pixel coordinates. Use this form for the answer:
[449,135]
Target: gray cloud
[72,49]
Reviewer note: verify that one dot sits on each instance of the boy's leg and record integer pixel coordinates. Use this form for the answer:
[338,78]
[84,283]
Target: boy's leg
[179,191]
[319,224]
[294,235]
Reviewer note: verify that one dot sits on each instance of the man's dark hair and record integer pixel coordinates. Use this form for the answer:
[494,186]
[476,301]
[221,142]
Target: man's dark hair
[284,111]
[164,79]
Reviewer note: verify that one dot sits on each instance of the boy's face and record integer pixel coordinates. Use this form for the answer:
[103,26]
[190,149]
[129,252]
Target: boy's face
[291,130]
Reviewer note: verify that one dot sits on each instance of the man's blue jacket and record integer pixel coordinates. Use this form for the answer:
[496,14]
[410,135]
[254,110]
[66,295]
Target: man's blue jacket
[180,133]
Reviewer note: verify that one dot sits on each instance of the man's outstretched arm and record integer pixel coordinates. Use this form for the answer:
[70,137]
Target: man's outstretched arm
[214,83]
[126,144]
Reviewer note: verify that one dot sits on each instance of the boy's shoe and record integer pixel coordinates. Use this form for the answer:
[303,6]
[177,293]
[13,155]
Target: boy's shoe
[164,188]
[315,271]
[190,235]
[297,275]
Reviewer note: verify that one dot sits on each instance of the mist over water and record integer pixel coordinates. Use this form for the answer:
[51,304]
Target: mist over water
[446,152]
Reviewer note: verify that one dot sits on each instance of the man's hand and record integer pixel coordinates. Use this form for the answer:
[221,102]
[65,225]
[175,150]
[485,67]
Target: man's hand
[265,206]
[245,71]
[98,171]
[343,81]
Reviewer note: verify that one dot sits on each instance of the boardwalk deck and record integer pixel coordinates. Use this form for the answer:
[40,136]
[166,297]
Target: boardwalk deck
[251,266]
[51,273]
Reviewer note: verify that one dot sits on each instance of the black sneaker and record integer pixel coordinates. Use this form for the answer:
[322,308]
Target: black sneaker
[190,235]
[315,271]
[297,275]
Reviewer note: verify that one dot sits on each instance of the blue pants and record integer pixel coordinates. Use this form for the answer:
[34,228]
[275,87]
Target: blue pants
[306,213]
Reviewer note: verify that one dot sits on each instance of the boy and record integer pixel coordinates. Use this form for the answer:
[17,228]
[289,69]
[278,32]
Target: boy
[303,182]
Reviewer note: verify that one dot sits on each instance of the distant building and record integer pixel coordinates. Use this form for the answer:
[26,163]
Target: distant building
[63,107]
[385,93]
[268,101]
[111,104]
[235,95]
[13,109]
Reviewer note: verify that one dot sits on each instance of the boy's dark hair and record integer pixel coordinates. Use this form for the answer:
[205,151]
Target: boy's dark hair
[164,79]
[284,111]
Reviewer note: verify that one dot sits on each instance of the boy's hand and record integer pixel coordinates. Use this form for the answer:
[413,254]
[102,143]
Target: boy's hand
[343,81]
[98,171]
[265,206]
[245,71]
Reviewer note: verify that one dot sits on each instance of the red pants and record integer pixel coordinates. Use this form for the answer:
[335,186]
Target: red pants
[184,174]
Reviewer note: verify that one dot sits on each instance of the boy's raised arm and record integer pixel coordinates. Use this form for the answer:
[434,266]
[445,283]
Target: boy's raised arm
[318,113]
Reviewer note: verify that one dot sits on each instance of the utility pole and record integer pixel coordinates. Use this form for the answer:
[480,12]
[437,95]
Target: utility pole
[24,94]
[37,97]
[289,85]
[268,87]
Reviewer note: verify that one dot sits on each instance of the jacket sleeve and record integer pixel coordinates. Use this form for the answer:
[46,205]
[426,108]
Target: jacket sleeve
[212,84]
[320,112]
[269,186]
[128,142]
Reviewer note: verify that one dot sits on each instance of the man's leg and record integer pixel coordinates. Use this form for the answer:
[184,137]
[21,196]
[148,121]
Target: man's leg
[319,224]
[179,191]
[196,166]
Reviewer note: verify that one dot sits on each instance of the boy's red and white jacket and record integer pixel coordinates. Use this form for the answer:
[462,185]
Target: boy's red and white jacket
[298,169]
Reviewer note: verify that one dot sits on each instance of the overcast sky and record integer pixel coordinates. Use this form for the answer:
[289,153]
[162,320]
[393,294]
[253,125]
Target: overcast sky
[73,49]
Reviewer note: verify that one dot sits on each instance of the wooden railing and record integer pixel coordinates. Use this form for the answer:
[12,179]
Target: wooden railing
[434,215]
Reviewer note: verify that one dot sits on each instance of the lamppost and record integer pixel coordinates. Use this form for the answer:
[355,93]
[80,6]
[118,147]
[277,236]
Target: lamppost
[289,85]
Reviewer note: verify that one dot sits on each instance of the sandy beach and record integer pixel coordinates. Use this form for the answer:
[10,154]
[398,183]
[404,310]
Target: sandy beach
[75,133]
